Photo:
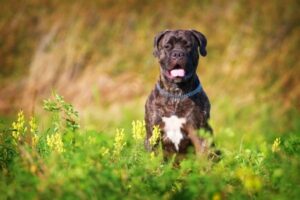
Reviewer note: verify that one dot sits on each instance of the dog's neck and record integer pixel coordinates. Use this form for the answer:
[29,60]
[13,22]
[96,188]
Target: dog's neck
[179,88]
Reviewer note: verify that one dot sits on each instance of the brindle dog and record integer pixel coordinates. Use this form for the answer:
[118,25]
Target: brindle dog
[178,103]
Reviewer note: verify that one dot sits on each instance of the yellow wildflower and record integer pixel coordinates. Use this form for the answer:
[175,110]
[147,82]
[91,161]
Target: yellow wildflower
[19,127]
[55,142]
[104,151]
[250,181]
[138,130]
[33,125]
[33,168]
[35,140]
[217,196]
[33,131]
[119,142]
[155,136]
[276,145]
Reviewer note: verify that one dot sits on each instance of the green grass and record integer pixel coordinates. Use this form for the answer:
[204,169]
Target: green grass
[60,160]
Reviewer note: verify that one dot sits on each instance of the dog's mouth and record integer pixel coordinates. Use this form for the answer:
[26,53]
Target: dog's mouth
[177,71]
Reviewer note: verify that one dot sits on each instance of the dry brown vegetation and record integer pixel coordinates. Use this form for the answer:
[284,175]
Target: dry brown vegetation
[99,54]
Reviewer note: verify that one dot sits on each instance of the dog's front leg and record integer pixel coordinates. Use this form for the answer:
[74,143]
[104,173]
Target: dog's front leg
[148,136]
[199,145]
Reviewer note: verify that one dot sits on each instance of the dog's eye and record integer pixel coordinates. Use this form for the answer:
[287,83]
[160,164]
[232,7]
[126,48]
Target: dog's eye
[167,46]
[188,46]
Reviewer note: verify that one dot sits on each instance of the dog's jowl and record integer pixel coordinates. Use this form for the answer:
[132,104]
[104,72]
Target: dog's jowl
[178,103]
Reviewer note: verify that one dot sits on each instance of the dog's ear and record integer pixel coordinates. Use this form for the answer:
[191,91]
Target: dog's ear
[157,38]
[201,39]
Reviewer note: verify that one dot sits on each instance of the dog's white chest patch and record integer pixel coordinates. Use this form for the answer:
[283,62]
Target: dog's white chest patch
[172,129]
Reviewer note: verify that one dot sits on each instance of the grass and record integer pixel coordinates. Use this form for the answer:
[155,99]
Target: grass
[61,160]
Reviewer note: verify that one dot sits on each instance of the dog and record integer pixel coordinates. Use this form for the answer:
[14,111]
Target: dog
[178,104]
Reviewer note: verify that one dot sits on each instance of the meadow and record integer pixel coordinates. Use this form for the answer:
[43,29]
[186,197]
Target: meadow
[60,160]
[74,77]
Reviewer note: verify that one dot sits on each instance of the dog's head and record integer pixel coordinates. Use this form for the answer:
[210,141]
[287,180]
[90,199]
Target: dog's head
[177,51]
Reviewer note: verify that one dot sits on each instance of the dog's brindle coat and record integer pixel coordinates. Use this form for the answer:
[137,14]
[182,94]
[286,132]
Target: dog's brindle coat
[177,117]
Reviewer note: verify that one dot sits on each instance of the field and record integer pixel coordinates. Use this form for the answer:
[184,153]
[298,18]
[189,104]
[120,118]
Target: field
[74,77]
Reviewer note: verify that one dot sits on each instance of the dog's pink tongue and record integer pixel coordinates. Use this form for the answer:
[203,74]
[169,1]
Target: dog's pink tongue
[177,72]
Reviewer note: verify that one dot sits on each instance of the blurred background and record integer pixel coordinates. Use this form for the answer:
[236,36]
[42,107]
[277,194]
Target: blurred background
[98,55]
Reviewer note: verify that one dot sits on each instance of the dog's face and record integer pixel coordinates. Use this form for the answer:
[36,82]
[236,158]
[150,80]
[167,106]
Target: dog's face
[177,51]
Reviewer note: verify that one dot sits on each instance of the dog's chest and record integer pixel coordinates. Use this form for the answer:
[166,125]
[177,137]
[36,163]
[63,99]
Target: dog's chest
[172,129]
[174,118]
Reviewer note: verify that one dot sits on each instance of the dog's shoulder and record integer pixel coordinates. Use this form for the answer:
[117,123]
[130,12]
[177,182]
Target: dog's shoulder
[202,101]
[151,103]
[151,98]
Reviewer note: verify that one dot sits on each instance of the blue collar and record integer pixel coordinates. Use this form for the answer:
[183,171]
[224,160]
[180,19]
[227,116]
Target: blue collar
[189,94]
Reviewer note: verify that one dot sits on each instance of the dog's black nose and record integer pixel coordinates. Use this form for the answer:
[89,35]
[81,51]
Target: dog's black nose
[176,54]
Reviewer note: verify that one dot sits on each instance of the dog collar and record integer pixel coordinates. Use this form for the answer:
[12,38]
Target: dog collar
[189,94]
